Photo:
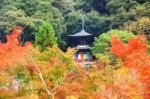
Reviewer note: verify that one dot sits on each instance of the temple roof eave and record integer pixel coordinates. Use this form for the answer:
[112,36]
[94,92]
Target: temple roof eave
[82,33]
[83,47]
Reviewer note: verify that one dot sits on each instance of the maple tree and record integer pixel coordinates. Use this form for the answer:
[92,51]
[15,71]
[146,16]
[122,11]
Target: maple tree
[54,74]
[46,71]
[10,54]
[11,51]
[31,67]
[135,58]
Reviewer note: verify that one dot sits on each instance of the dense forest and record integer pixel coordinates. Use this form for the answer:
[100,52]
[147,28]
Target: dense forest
[66,15]
[36,62]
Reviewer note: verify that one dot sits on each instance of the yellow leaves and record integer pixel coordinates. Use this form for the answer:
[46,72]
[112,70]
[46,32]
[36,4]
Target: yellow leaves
[5,93]
[32,96]
[142,25]
[36,84]
[103,58]
[135,93]
[124,76]
[140,8]
[5,77]
[118,64]
[70,53]
[121,74]
[128,83]
[72,97]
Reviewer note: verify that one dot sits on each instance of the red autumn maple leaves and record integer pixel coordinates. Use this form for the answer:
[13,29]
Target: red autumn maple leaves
[11,51]
[136,58]
[137,44]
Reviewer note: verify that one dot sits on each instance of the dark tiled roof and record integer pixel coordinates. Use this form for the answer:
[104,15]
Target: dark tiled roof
[81,33]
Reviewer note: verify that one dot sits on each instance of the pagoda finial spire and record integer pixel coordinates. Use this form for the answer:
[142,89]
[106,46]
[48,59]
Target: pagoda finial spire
[83,22]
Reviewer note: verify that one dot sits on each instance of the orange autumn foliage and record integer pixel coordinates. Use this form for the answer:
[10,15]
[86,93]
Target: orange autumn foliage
[137,44]
[11,51]
[135,58]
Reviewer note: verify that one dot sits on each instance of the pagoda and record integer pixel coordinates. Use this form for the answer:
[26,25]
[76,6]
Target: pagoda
[82,41]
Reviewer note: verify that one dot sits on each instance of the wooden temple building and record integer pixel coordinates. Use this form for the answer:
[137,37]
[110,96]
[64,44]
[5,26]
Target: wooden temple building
[82,41]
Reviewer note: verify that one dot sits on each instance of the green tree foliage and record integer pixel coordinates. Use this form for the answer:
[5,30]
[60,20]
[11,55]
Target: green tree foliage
[45,11]
[84,5]
[45,37]
[123,11]
[74,23]
[66,15]
[65,6]
[100,6]
[102,43]
[115,5]
[101,23]
[89,5]
[30,6]
[54,66]
[140,26]
[30,14]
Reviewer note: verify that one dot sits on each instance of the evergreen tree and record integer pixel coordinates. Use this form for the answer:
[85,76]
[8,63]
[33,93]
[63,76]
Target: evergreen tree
[45,36]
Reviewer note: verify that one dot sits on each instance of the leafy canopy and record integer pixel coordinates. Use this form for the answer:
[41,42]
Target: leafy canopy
[102,43]
[135,58]
[45,36]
